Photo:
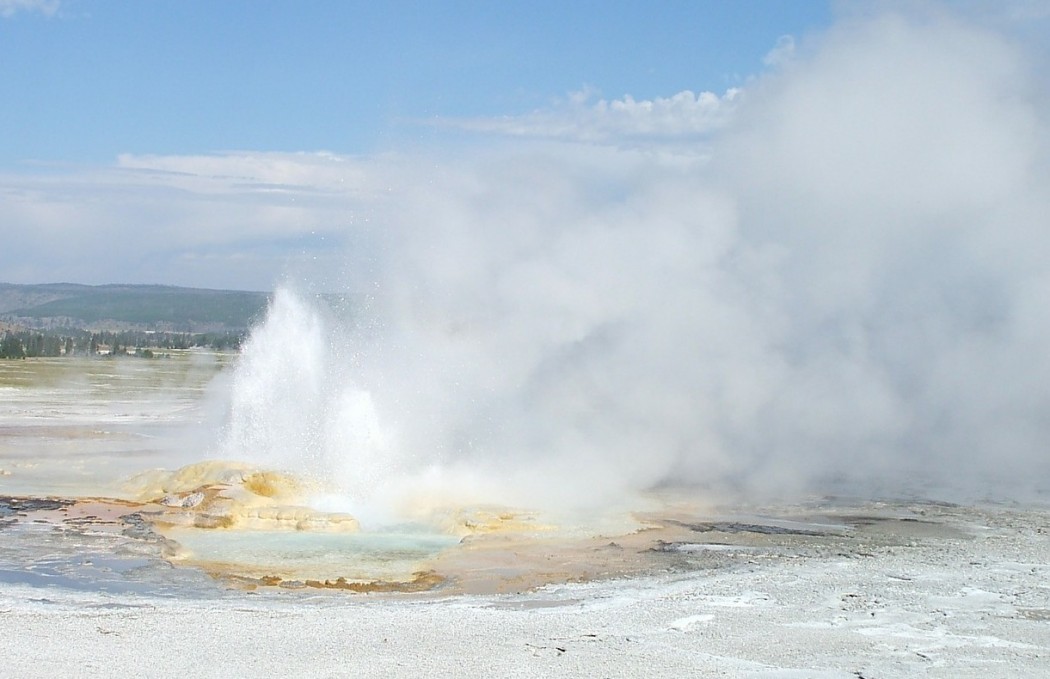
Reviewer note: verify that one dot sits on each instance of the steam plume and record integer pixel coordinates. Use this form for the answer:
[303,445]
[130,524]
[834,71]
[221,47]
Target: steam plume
[847,295]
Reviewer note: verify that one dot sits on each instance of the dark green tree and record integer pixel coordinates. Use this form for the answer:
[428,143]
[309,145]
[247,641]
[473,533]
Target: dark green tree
[11,346]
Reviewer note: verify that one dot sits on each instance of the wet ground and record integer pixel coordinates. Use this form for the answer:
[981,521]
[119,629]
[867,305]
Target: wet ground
[121,546]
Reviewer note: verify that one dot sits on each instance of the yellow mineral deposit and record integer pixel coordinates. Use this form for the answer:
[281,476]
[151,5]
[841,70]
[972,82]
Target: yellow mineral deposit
[219,494]
[483,520]
[486,548]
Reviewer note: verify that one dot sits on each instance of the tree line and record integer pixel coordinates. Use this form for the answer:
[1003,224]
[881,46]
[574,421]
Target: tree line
[32,343]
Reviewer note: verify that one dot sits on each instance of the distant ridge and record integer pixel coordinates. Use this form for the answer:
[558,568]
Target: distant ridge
[130,307]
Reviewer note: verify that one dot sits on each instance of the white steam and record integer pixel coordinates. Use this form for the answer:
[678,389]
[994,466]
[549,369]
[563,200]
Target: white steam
[849,296]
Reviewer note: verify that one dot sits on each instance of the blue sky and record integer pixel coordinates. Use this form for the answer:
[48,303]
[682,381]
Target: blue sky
[86,80]
[237,144]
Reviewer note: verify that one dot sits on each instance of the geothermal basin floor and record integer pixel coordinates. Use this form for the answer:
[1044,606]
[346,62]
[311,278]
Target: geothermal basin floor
[866,589]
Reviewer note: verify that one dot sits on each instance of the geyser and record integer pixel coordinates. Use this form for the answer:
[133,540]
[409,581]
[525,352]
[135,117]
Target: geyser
[842,291]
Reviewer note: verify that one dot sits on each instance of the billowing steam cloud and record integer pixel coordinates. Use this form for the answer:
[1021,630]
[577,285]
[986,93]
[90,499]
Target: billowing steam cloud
[846,291]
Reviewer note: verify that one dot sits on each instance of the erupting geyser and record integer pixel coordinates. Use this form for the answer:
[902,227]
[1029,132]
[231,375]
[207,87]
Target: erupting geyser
[842,290]
[296,406]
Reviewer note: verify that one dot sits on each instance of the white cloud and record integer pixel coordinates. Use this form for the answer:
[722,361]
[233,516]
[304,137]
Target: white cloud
[8,8]
[255,170]
[683,117]
[225,220]
[782,52]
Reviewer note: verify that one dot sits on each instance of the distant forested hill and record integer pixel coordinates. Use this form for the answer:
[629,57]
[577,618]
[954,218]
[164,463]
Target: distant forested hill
[129,307]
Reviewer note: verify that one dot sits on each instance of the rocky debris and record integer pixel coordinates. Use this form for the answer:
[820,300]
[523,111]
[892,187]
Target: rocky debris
[423,581]
[186,502]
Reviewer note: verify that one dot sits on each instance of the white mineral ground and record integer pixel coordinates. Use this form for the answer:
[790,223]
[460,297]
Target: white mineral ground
[878,590]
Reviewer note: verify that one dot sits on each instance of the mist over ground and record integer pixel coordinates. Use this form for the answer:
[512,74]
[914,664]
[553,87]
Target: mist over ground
[839,285]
